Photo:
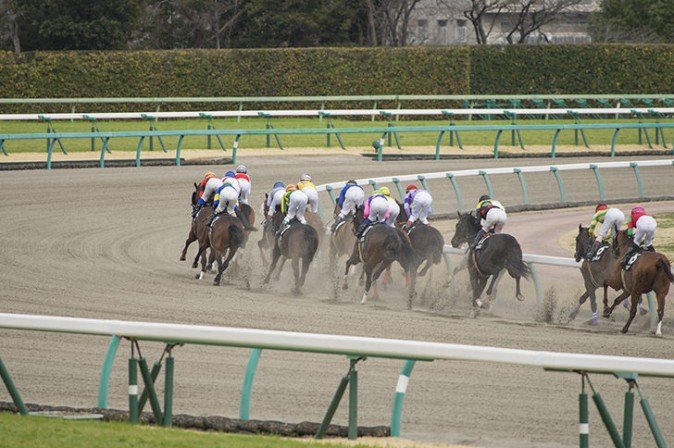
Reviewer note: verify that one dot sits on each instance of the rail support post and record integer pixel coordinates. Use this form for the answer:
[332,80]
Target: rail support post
[133,389]
[578,130]
[253,359]
[452,133]
[392,133]
[168,391]
[560,184]
[606,418]
[600,182]
[487,182]
[652,423]
[614,140]
[515,132]
[523,184]
[139,147]
[329,189]
[401,389]
[11,388]
[640,185]
[105,372]
[235,147]
[584,422]
[496,142]
[396,182]
[553,149]
[149,390]
[457,190]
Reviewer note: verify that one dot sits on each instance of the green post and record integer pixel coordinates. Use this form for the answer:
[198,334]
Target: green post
[149,388]
[2,147]
[640,185]
[457,190]
[156,368]
[179,147]
[373,184]
[584,425]
[560,184]
[537,282]
[329,189]
[496,141]
[523,184]
[396,182]
[11,388]
[105,372]
[487,182]
[628,417]
[339,393]
[401,389]
[253,359]
[600,183]
[139,147]
[50,150]
[353,402]
[438,141]
[133,390]
[608,421]
[652,424]
[614,139]
[553,150]
[168,392]
[424,184]
[104,148]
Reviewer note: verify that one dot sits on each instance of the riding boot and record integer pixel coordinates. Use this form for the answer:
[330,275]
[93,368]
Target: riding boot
[212,218]
[338,219]
[593,250]
[361,229]
[478,237]
[195,210]
[650,248]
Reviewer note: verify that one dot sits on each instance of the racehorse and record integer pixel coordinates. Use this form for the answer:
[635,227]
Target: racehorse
[299,241]
[596,274]
[192,236]
[248,219]
[342,239]
[225,235]
[650,272]
[268,239]
[315,221]
[381,246]
[427,246]
[500,251]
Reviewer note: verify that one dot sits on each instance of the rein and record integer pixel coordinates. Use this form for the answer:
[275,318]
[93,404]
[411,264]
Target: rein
[477,268]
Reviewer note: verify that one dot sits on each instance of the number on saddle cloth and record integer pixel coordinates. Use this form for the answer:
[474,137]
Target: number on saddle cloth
[628,262]
[600,252]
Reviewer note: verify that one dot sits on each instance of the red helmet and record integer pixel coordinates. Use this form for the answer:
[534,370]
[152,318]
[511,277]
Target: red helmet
[600,206]
[638,210]
[410,187]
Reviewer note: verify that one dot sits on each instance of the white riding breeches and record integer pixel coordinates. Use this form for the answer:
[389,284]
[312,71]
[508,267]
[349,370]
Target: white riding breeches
[353,198]
[245,190]
[312,196]
[421,207]
[613,219]
[297,206]
[496,218]
[645,231]
[378,209]
[228,198]
[211,187]
[394,210]
[275,202]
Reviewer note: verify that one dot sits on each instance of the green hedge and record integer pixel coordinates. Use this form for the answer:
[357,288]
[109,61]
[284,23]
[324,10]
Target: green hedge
[557,69]
[519,69]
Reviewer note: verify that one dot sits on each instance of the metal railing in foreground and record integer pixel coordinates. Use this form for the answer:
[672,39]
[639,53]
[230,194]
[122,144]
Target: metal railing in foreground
[356,348]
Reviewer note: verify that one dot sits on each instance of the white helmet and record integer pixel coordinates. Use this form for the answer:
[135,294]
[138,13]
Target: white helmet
[305,177]
[241,169]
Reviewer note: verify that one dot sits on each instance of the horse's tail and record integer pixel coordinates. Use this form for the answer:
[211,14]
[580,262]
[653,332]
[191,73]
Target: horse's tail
[311,238]
[515,265]
[666,267]
[438,248]
[235,236]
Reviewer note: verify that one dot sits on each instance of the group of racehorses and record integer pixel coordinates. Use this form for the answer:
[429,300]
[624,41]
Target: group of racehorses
[421,245]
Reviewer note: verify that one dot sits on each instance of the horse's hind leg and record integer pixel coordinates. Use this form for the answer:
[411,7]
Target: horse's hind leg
[518,294]
[280,268]
[296,273]
[633,311]
[661,310]
[576,309]
[305,268]
[192,237]
[617,300]
[606,312]
[275,256]
[223,265]
[221,268]
[200,275]
[208,261]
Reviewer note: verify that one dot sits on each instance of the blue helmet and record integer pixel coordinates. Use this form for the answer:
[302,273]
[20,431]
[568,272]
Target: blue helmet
[279,184]
[231,174]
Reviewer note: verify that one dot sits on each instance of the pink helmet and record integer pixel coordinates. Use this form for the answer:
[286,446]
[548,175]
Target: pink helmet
[638,209]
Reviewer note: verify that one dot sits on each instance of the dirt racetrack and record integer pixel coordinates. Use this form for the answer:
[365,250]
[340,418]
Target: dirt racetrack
[105,244]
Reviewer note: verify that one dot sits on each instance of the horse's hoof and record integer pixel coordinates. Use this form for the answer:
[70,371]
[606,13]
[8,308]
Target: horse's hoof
[247,285]
[473,313]
[624,330]
[364,299]
[183,258]
[195,265]
[200,275]
[573,313]
[607,312]
[478,303]
[520,297]
[297,291]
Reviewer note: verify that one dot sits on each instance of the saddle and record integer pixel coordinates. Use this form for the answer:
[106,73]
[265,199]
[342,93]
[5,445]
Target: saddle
[600,252]
[339,225]
[480,243]
[629,260]
[367,230]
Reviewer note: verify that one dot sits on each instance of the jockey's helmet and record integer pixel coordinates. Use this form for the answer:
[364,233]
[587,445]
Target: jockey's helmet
[209,175]
[279,184]
[241,169]
[410,187]
[230,174]
[484,197]
[600,206]
[351,182]
[305,177]
[291,187]
[638,210]
[385,191]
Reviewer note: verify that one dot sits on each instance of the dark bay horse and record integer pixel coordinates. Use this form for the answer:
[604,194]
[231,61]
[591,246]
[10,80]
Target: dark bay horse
[499,252]
[381,246]
[192,236]
[427,246]
[298,242]
[650,272]
[225,236]
[596,274]
[342,239]
[267,240]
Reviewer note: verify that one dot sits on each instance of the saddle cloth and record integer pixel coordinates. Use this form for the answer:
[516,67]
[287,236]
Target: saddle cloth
[629,262]
[600,252]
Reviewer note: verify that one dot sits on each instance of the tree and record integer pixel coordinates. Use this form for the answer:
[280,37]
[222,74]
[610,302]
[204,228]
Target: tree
[10,12]
[78,25]
[529,16]
[483,14]
[389,21]
[634,21]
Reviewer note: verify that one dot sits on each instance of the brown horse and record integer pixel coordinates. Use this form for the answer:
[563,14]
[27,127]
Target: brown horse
[298,242]
[652,271]
[225,235]
[267,240]
[192,236]
[427,246]
[381,246]
[596,274]
[342,239]
[499,252]
[315,221]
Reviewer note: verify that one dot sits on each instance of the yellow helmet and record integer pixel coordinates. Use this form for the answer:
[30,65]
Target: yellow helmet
[291,187]
[385,191]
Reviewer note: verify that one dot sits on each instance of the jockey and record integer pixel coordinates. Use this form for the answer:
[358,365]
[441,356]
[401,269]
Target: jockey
[244,181]
[275,197]
[307,187]
[377,209]
[393,207]
[417,205]
[226,196]
[350,198]
[293,205]
[209,184]
[641,227]
[492,217]
[611,220]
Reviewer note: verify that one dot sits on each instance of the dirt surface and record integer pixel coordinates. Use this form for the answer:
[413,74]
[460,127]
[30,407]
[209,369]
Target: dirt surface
[105,244]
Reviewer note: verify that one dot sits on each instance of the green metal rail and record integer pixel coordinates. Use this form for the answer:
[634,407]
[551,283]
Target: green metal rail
[52,138]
